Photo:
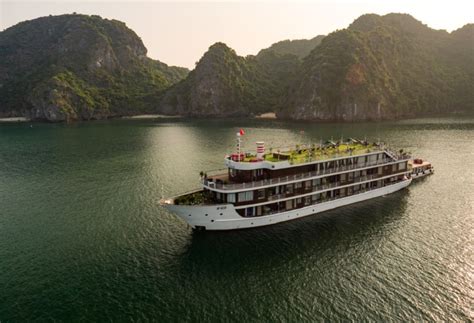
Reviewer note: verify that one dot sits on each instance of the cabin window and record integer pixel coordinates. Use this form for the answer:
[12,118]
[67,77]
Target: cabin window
[289,204]
[289,189]
[249,211]
[343,177]
[350,176]
[299,200]
[218,196]
[231,198]
[307,200]
[373,158]
[402,166]
[380,170]
[394,168]
[316,182]
[307,184]
[261,194]
[245,196]
[266,210]
[272,191]
[298,185]
[232,172]
[259,172]
[315,197]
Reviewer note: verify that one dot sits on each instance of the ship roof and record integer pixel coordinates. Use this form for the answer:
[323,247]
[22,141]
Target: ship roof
[314,152]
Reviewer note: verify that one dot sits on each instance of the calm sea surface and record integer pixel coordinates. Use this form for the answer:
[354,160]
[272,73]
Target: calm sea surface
[83,238]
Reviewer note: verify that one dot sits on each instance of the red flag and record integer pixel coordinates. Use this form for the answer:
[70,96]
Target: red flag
[242,132]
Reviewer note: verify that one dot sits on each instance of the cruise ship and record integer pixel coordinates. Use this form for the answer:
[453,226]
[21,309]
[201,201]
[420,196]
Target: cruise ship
[269,187]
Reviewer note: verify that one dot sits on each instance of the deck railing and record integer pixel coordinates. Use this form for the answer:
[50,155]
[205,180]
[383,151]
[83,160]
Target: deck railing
[327,199]
[285,179]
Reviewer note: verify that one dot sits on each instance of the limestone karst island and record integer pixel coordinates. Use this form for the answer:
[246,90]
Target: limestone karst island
[78,67]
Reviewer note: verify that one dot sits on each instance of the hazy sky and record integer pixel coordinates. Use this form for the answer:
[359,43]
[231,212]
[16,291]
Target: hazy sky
[179,32]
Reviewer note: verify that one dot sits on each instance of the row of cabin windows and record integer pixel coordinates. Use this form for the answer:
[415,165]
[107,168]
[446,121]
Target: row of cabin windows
[326,165]
[242,196]
[313,199]
[290,188]
[351,161]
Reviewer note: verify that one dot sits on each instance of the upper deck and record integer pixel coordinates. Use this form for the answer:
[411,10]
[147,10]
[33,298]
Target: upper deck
[284,166]
[301,155]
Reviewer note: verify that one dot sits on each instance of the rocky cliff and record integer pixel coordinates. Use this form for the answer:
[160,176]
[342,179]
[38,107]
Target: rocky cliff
[220,85]
[225,84]
[78,67]
[385,67]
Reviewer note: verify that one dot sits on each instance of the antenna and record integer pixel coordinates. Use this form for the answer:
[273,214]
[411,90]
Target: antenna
[162,192]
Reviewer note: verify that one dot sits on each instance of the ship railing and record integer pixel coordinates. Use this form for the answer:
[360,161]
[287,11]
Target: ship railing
[328,199]
[397,155]
[325,186]
[286,179]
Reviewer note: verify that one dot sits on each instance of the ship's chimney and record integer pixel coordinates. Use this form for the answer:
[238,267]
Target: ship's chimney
[260,149]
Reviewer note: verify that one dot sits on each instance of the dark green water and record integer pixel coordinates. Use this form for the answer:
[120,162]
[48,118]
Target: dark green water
[82,237]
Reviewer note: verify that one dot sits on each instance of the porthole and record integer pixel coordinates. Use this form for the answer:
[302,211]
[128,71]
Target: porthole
[212,220]
[207,214]
[220,214]
[251,223]
[190,215]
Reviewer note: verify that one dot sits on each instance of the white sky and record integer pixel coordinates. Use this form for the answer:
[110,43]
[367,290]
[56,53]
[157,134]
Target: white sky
[179,32]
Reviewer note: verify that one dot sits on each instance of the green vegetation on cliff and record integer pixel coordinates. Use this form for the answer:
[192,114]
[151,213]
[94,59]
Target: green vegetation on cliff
[298,47]
[382,67]
[225,84]
[78,67]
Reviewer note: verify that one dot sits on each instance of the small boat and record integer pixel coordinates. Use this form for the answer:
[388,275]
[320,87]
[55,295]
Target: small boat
[420,168]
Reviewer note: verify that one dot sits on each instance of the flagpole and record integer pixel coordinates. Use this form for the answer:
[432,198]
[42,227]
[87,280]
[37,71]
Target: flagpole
[238,146]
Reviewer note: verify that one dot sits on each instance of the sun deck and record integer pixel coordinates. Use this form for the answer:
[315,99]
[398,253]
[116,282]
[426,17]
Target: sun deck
[305,153]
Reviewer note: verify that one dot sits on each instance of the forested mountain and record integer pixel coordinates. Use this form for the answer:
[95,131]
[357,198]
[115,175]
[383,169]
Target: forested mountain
[298,47]
[78,67]
[222,84]
[225,84]
[383,67]
[380,67]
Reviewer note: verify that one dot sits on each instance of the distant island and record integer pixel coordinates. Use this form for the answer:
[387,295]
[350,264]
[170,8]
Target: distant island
[78,67]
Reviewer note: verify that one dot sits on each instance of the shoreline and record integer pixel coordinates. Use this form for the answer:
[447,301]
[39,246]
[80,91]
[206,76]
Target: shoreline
[268,115]
[149,116]
[14,119]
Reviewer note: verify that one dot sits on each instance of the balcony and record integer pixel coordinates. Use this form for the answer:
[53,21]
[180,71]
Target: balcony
[208,183]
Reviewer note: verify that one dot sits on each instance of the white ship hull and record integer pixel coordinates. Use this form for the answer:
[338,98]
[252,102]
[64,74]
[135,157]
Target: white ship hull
[224,216]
